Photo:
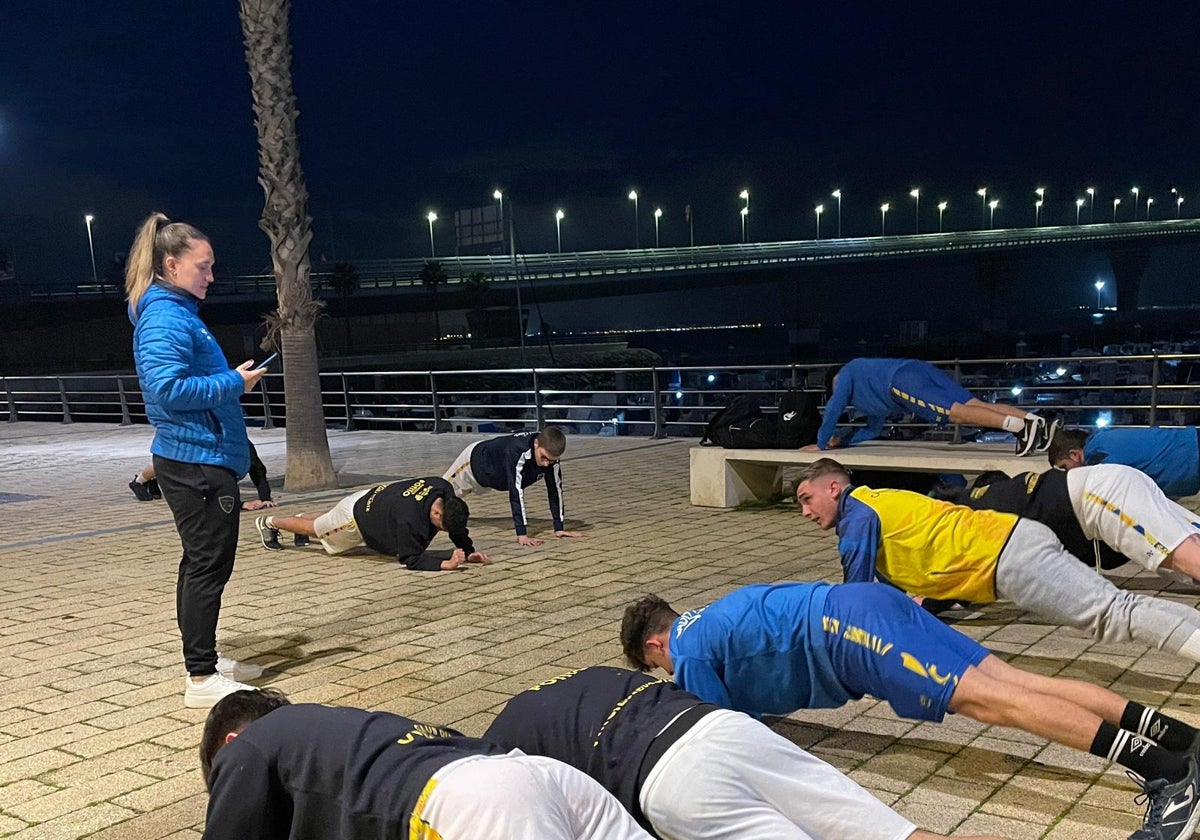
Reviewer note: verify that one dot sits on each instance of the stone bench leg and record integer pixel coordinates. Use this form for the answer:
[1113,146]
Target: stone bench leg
[718,482]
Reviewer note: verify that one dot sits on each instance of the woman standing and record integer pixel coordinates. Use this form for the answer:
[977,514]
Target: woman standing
[200,446]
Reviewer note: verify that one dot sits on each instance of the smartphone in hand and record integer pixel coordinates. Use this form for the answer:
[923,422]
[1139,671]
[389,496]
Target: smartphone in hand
[265,362]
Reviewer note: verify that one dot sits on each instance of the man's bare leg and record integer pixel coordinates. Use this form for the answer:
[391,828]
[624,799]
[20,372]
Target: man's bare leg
[301,523]
[979,413]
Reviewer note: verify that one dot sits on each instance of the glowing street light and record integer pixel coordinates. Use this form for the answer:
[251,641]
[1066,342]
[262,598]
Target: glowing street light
[745,211]
[1149,201]
[746,195]
[657,216]
[431,217]
[883,208]
[838,195]
[1136,201]
[87,220]
[992,205]
[1078,207]
[1099,284]
[1178,205]
[982,193]
[637,237]
[558,217]
[1037,213]
[915,192]
[1091,191]
[1116,202]
[499,196]
[942,205]
[819,209]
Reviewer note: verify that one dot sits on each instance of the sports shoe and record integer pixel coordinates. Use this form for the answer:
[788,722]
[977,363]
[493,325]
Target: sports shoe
[1171,812]
[140,490]
[270,536]
[155,490]
[1046,434]
[238,671]
[1028,437]
[206,693]
[300,540]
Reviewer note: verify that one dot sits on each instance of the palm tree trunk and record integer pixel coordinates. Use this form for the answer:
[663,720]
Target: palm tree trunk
[288,226]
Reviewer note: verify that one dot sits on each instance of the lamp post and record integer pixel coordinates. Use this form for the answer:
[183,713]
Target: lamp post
[1078,207]
[1178,206]
[915,192]
[982,193]
[745,211]
[992,205]
[558,217]
[1116,202]
[838,195]
[1099,284]
[431,217]
[1091,191]
[883,208]
[87,220]
[499,196]
[819,209]
[657,216]
[942,205]
[1136,201]
[1037,213]
[637,237]
[1149,201]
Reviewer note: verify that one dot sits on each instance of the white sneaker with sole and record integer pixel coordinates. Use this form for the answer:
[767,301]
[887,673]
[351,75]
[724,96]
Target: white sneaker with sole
[238,671]
[206,693]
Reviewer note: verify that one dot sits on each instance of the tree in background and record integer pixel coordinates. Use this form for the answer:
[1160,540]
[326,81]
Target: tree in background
[434,275]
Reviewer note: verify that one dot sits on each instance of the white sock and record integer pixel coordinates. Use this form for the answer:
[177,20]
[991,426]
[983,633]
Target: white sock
[1013,424]
[270,520]
[1191,648]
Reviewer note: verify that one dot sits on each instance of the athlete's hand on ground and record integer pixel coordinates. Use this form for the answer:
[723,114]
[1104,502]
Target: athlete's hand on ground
[457,558]
[259,504]
[525,539]
[571,534]
[479,557]
[812,447]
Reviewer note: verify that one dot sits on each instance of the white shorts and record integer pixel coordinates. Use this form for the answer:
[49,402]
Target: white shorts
[460,476]
[729,776]
[1124,508]
[336,529]
[521,797]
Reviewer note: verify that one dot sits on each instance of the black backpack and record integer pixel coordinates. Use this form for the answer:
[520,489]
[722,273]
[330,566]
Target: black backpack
[739,425]
[799,419]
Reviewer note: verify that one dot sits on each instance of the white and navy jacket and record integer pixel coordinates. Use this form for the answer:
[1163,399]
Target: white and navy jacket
[507,463]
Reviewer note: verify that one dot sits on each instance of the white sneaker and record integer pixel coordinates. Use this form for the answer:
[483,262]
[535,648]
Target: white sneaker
[238,671]
[206,693]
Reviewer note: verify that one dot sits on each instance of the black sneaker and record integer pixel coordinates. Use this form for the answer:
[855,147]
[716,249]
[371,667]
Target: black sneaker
[141,491]
[155,490]
[269,535]
[300,540]
[1046,435]
[1028,437]
[1171,812]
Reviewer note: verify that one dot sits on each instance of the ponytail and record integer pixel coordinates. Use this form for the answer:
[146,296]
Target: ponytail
[158,237]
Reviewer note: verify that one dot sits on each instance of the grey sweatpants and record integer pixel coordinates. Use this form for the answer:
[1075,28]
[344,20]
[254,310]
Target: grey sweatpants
[1037,574]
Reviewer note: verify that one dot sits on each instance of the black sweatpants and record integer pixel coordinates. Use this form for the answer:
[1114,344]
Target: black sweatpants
[206,505]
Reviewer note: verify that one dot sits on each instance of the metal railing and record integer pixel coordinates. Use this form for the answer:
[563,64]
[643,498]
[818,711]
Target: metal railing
[1142,390]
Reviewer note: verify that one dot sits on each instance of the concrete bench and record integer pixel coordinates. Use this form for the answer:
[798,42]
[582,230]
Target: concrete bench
[725,478]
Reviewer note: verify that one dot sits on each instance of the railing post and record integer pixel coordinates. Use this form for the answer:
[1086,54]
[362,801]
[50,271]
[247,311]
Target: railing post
[266,398]
[13,417]
[125,418]
[433,398]
[793,367]
[346,402]
[660,428]
[539,411]
[62,395]
[1154,390]
[957,427]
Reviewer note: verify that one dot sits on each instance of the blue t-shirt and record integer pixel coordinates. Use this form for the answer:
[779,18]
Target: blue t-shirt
[1169,456]
[759,650]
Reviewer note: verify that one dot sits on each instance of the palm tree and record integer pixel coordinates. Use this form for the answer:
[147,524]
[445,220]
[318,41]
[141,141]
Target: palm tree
[288,226]
[433,275]
[344,282]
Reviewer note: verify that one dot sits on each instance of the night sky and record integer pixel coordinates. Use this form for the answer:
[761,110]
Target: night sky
[121,108]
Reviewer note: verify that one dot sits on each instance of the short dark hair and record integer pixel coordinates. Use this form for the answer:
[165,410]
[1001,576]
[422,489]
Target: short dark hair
[231,714]
[647,617]
[552,440]
[823,467]
[455,514]
[830,373]
[1063,442]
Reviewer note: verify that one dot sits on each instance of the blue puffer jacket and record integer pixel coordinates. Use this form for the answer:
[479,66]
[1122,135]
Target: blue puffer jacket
[190,391]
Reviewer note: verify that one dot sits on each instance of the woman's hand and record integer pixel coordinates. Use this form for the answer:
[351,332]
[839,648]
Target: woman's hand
[250,376]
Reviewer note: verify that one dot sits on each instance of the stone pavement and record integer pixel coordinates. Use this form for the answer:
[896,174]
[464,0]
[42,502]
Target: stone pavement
[95,741]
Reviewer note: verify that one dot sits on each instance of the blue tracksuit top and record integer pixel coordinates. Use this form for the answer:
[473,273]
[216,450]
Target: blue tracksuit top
[865,384]
[760,650]
[1169,456]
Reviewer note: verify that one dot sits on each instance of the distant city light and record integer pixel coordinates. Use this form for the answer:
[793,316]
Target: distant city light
[1103,419]
[1016,390]
[679,395]
[1061,371]
[712,377]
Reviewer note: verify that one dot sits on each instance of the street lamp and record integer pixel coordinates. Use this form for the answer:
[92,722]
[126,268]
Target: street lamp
[915,192]
[1178,206]
[1091,191]
[657,216]
[637,237]
[91,249]
[992,205]
[745,211]
[1136,201]
[883,208]
[499,196]
[558,217]
[942,205]
[431,217]
[1078,207]
[1037,213]
[1149,201]
[1116,201]
[838,195]
[820,208]
[1099,284]
[982,193]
